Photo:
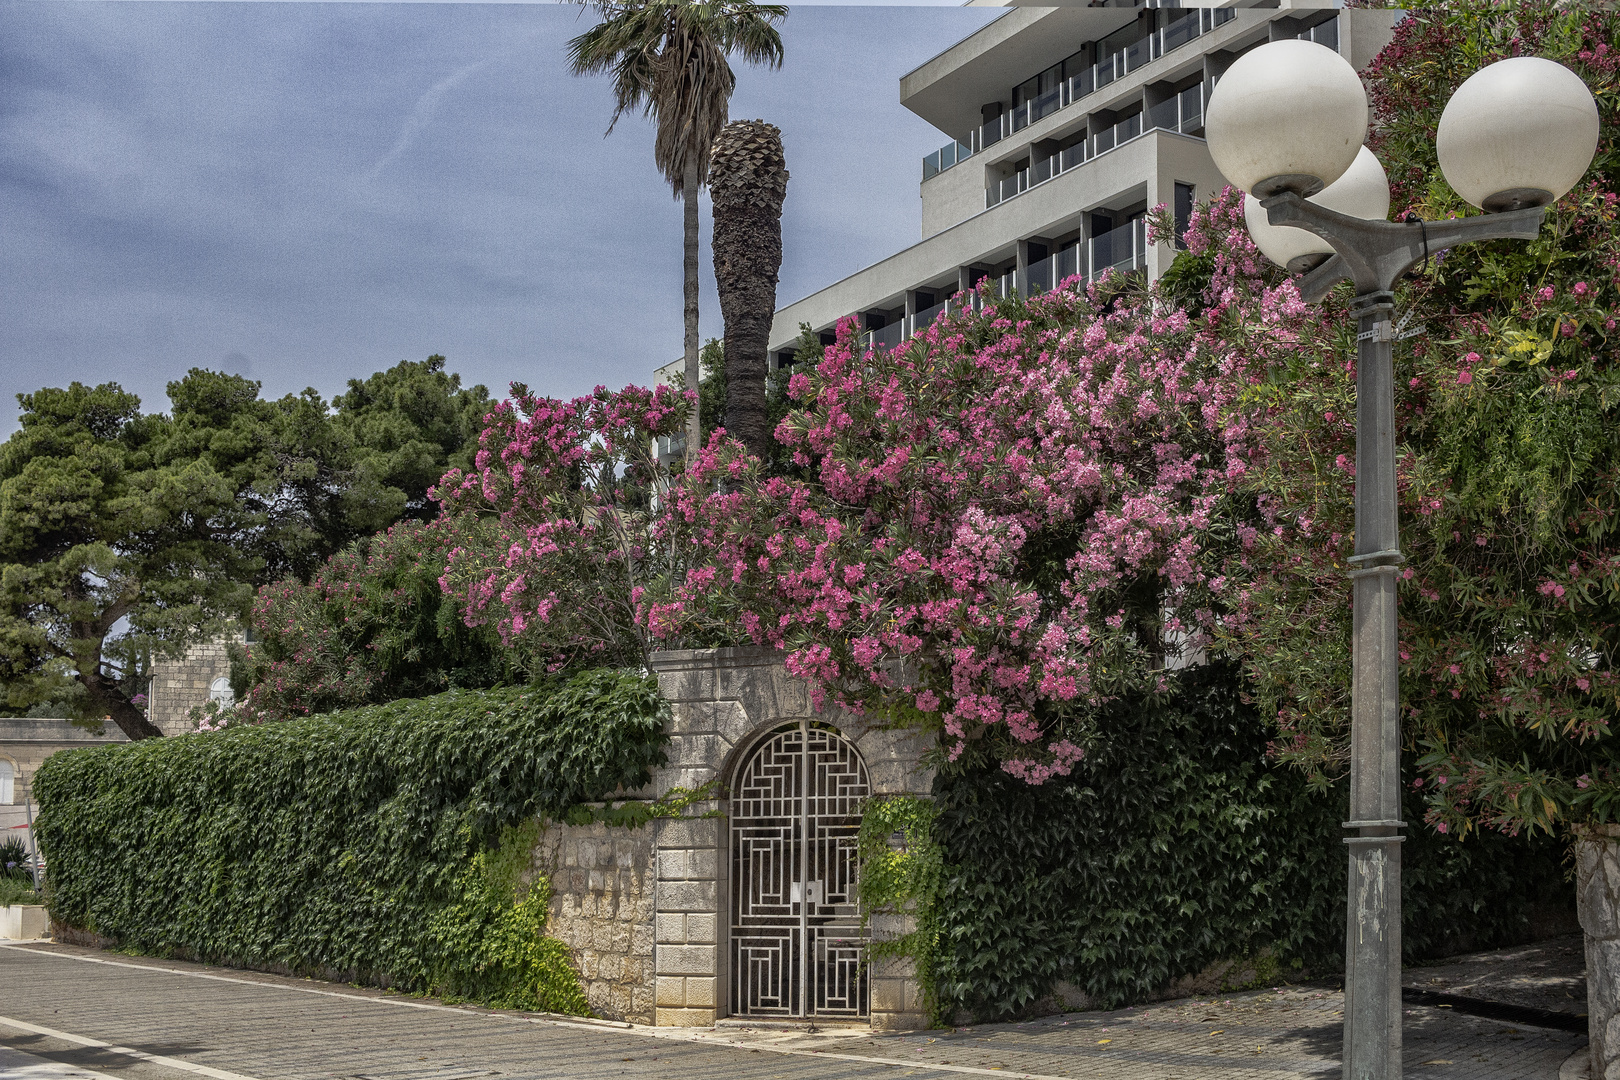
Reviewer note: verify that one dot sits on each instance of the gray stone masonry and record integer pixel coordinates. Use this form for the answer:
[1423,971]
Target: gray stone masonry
[722,701]
[602,909]
[1597,895]
[180,685]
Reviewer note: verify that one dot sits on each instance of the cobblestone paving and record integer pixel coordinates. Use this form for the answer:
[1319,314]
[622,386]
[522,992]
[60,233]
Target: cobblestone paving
[1547,975]
[270,1028]
[1293,1033]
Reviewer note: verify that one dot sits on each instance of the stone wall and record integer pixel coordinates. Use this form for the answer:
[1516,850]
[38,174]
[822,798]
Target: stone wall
[721,701]
[602,909]
[180,685]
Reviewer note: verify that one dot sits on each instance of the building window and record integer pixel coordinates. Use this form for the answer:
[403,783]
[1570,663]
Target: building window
[220,690]
[1183,209]
[8,792]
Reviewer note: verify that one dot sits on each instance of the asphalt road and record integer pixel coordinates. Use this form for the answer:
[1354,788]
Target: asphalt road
[79,1016]
[69,1013]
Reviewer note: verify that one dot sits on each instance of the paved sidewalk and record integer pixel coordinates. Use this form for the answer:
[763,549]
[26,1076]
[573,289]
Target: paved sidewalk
[144,1019]
[1294,1032]
[1548,975]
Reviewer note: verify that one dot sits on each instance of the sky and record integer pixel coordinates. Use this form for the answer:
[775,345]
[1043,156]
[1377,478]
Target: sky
[305,193]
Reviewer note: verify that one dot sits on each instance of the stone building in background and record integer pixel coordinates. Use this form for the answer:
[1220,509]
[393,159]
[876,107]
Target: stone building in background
[202,675]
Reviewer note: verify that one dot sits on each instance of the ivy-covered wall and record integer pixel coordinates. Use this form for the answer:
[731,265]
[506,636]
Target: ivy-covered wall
[1174,846]
[390,844]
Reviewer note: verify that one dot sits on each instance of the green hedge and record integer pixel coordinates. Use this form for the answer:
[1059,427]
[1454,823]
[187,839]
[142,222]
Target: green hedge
[1175,845]
[365,843]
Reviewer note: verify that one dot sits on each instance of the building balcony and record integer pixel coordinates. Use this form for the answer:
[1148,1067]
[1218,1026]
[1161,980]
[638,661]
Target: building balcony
[1082,84]
[1182,113]
[1122,251]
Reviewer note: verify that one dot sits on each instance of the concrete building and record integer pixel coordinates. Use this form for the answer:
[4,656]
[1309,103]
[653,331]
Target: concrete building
[1066,125]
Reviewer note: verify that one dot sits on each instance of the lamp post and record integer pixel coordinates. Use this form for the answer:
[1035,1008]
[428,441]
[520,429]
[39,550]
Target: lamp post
[1286,125]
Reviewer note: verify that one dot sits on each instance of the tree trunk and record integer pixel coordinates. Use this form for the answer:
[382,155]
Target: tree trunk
[748,184]
[1597,898]
[689,204]
[106,696]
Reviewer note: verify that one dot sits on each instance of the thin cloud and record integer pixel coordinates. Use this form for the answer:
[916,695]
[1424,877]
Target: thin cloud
[422,115]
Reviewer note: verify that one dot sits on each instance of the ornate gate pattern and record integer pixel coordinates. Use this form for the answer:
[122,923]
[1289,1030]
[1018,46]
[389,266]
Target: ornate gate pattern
[796,942]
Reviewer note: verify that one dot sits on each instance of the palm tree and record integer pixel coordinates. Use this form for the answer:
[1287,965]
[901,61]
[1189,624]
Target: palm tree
[668,59]
[748,181]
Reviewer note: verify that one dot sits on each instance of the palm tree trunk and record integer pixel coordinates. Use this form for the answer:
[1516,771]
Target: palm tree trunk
[689,203]
[747,184]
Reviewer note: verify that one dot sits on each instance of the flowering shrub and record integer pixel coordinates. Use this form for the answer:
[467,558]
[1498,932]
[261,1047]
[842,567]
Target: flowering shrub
[1009,520]
[567,491]
[371,626]
[1026,512]
[1508,462]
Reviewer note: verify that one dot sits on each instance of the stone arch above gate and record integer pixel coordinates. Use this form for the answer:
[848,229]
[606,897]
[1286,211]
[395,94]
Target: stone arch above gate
[724,703]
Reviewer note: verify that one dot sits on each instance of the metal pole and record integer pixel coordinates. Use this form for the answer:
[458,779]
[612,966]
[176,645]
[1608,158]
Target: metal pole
[33,844]
[1375,255]
[1372,980]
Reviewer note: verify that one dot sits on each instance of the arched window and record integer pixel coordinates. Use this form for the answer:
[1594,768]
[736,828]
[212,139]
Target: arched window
[7,783]
[220,690]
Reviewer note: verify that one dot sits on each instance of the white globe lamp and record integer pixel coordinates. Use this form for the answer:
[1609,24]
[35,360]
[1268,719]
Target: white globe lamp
[1287,116]
[1518,133]
[1362,192]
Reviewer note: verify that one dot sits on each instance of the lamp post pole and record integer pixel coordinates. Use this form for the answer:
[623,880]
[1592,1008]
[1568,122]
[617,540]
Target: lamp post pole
[1286,122]
[1374,255]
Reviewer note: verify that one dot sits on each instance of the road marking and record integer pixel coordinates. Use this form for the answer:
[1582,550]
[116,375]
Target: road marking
[16,1065]
[156,1059]
[671,1034]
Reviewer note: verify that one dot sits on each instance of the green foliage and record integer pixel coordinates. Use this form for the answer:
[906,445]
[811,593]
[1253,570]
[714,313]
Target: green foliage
[492,939]
[1506,405]
[14,858]
[18,890]
[371,626]
[408,426]
[1175,845]
[901,869]
[363,843]
[110,517]
[635,814]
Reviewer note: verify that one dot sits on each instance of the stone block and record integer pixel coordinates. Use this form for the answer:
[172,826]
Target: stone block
[597,882]
[671,991]
[700,992]
[685,1018]
[686,959]
[671,928]
[688,896]
[889,995]
[641,940]
[700,928]
[698,751]
[688,833]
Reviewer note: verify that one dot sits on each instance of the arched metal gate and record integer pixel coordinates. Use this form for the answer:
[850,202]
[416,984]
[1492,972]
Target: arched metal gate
[796,941]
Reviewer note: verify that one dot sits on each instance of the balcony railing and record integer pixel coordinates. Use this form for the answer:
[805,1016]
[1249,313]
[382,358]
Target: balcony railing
[906,326]
[1184,112]
[1166,39]
[945,157]
[1122,250]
